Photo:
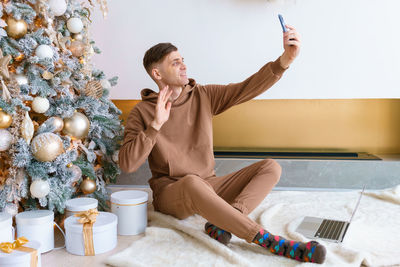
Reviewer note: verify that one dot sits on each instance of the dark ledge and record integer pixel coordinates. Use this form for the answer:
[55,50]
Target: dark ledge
[296,155]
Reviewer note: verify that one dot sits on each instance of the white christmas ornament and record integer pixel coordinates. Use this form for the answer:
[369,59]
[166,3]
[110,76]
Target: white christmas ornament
[44,51]
[5,139]
[21,79]
[40,104]
[40,188]
[105,84]
[58,7]
[75,25]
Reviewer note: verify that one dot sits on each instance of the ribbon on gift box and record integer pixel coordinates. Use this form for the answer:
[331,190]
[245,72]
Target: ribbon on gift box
[88,218]
[18,244]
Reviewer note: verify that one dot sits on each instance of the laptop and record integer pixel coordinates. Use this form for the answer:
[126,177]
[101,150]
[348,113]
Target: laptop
[329,230]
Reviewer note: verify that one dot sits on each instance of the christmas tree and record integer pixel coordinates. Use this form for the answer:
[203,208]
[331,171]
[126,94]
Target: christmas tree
[59,132]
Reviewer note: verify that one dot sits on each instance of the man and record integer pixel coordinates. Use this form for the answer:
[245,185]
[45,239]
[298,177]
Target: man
[173,129]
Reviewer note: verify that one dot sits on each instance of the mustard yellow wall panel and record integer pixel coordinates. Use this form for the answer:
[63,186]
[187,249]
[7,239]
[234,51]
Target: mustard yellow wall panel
[357,125]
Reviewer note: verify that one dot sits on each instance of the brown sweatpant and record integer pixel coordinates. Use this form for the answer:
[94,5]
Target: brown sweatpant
[219,199]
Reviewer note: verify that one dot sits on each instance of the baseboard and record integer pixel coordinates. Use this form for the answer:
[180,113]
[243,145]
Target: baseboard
[146,188]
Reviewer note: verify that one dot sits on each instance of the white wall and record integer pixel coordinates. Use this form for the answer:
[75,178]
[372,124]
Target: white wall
[351,48]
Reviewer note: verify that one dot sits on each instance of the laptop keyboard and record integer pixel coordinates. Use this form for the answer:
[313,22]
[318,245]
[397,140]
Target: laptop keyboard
[330,229]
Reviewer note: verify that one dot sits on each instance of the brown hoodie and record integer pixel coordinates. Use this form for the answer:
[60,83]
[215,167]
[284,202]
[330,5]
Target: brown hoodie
[184,144]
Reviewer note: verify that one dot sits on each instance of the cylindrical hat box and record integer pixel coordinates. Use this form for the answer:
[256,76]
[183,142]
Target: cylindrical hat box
[104,234]
[37,225]
[76,205]
[6,229]
[19,258]
[131,208]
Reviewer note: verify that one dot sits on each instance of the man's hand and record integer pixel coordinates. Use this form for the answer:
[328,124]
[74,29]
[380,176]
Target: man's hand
[291,44]
[163,108]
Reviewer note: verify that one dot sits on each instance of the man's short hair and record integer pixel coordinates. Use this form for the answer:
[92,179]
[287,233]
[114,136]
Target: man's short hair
[156,54]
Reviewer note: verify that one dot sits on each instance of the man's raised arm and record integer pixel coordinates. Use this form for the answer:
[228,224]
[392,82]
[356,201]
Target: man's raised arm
[139,139]
[222,97]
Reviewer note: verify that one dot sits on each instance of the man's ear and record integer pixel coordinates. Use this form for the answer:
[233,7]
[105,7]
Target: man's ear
[156,73]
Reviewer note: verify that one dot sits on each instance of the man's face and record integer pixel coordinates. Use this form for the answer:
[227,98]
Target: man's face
[172,70]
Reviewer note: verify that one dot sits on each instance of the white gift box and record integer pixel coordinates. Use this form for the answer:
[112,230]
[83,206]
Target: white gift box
[6,229]
[19,258]
[130,206]
[37,225]
[76,205]
[104,234]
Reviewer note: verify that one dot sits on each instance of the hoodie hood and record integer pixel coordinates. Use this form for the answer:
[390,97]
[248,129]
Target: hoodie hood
[151,96]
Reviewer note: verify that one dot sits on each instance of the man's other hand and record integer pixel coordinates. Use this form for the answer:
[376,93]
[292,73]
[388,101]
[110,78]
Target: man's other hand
[163,108]
[291,44]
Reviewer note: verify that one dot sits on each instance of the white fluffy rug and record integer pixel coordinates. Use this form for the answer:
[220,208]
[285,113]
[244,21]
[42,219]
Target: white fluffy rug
[373,238]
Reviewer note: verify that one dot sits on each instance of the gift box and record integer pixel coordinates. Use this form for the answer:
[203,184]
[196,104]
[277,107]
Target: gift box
[6,229]
[130,206]
[20,254]
[90,233]
[76,205]
[37,225]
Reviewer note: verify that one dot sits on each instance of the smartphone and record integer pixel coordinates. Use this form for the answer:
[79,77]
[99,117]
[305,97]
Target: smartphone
[282,23]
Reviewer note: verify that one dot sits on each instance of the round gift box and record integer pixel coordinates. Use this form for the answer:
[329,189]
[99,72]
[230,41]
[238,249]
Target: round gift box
[131,208]
[19,258]
[76,205]
[104,234]
[37,225]
[6,230]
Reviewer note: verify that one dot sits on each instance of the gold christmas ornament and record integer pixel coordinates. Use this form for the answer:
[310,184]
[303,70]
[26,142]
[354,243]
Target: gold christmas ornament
[77,37]
[69,165]
[88,186]
[76,126]
[4,61]
[47,147]
[5,120]
[77,48]
[58,123]
[27,128]
[16,28]
[94,89]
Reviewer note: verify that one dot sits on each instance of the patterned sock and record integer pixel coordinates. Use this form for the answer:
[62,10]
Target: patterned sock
[306,252]
[218,234]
